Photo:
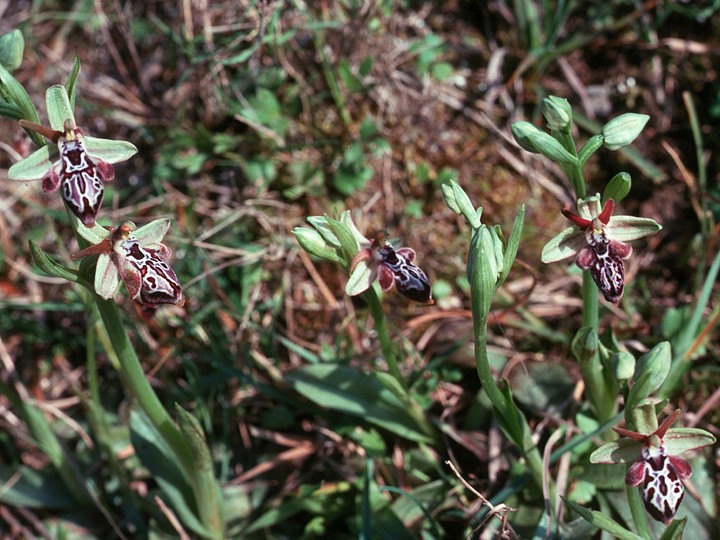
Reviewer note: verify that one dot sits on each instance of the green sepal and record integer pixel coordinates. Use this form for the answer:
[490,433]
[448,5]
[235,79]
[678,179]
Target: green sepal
[627,228]
[622,450]
[151,233]
[107,277]
[360,280]
[563,245]
[33,167]
[679,440]
[110,150]
[59,109]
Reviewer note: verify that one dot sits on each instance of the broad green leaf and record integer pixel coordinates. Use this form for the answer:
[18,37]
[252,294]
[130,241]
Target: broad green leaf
[159,458]
[30,488]
[359,394]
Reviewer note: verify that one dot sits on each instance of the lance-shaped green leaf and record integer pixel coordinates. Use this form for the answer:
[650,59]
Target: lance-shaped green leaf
[49,266]
[14,93]
[603,522]
[513,244]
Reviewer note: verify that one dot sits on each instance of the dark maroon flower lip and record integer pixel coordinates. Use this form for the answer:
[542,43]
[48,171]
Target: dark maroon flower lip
[602,256]
[392,267]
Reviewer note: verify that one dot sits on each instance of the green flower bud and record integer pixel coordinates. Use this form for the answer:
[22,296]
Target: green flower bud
[536,141]
[557,113]
[623,130]
[618,187]
[12,45]
[458,201]
[623,365]
[311,241]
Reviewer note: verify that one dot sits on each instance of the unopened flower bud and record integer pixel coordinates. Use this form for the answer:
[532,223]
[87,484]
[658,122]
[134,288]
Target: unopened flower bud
[557,113]
[623,130]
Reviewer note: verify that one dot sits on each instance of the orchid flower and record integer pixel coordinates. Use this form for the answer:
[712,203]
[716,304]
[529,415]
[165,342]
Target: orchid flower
[390,267]
[600,243]
[656,464]
[139,258]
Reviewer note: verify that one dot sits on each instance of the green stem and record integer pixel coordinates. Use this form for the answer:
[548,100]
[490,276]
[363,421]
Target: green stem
[638,512]
[134,377]
[516,422]
[414,408]
[383,336]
